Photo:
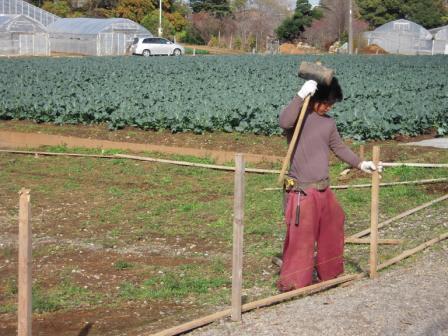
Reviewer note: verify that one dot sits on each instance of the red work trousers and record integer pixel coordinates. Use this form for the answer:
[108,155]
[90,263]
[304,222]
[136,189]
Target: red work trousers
[321,225]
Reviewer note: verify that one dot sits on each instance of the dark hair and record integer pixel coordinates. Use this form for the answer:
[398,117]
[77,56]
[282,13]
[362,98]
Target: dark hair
[329,93]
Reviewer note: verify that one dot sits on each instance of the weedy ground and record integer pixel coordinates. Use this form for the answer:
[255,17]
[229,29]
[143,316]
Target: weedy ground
[121,246]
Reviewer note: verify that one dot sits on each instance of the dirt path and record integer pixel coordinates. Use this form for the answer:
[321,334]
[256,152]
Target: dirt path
[33,140]
[403,301]
[220,146]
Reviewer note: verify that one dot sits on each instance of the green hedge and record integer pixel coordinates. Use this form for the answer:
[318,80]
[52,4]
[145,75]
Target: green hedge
[189,51]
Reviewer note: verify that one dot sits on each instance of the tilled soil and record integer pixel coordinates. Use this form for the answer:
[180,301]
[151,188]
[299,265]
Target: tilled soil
[403,301]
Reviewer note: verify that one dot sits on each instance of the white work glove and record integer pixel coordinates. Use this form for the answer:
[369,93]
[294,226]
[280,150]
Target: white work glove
[309,88]
[369,167]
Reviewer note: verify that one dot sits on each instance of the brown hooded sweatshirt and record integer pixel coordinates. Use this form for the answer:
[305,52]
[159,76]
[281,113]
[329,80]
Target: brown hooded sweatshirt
[319,135]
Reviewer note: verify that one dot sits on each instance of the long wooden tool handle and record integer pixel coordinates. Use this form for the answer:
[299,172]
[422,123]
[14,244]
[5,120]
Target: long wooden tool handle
[292,144]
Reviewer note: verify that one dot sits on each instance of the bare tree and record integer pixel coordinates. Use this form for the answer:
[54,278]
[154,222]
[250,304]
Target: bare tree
[334,24]
[321,33]
[259,19]
[251,20]
[206,24]
[336,13]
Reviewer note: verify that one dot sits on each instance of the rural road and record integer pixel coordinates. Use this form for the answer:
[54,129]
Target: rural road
[410,300]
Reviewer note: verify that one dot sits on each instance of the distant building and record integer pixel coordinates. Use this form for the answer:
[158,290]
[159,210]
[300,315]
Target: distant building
[21,35]
[96,37]
[401,37]
[23,7]
[80,36]
[440,36]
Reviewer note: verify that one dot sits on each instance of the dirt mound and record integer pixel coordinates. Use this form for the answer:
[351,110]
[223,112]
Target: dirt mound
[292,49]
[373,49]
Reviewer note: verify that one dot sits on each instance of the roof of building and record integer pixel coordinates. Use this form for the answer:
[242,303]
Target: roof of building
[404,27]
[25,8]
[89,26]
[20,23]
[440,33]
[436,30]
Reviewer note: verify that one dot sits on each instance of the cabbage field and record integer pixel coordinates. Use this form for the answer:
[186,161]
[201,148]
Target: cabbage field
[384,95]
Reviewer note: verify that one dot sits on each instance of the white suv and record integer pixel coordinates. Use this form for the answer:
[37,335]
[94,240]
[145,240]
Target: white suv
[148,46]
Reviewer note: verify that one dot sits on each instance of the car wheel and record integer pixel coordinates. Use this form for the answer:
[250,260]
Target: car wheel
[146,53]
[177,52]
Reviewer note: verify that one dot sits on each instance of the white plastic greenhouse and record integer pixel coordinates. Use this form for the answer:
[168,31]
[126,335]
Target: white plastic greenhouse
[23,7]
[440,40]
[98,37]
[20,35]
[402,37]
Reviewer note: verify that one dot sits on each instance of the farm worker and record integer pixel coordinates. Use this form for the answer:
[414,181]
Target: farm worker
[312,213]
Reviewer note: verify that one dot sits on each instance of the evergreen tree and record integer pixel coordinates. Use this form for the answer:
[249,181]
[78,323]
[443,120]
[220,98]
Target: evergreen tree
[428,13]
[291,28]
[218,8]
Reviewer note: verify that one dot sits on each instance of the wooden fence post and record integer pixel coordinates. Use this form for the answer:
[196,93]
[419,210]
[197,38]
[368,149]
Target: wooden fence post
[362,152]
[24,283]
[374,215]
[238,228]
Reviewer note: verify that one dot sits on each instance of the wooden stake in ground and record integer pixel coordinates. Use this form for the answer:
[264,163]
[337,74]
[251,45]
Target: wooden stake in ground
[374,214]
[238,229]
[362,152]
[24,283]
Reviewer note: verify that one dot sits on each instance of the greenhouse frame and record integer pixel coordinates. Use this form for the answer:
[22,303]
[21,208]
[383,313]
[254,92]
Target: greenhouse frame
[96,37]
[440,40]
[21,35]
[402,37]
[23,7]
